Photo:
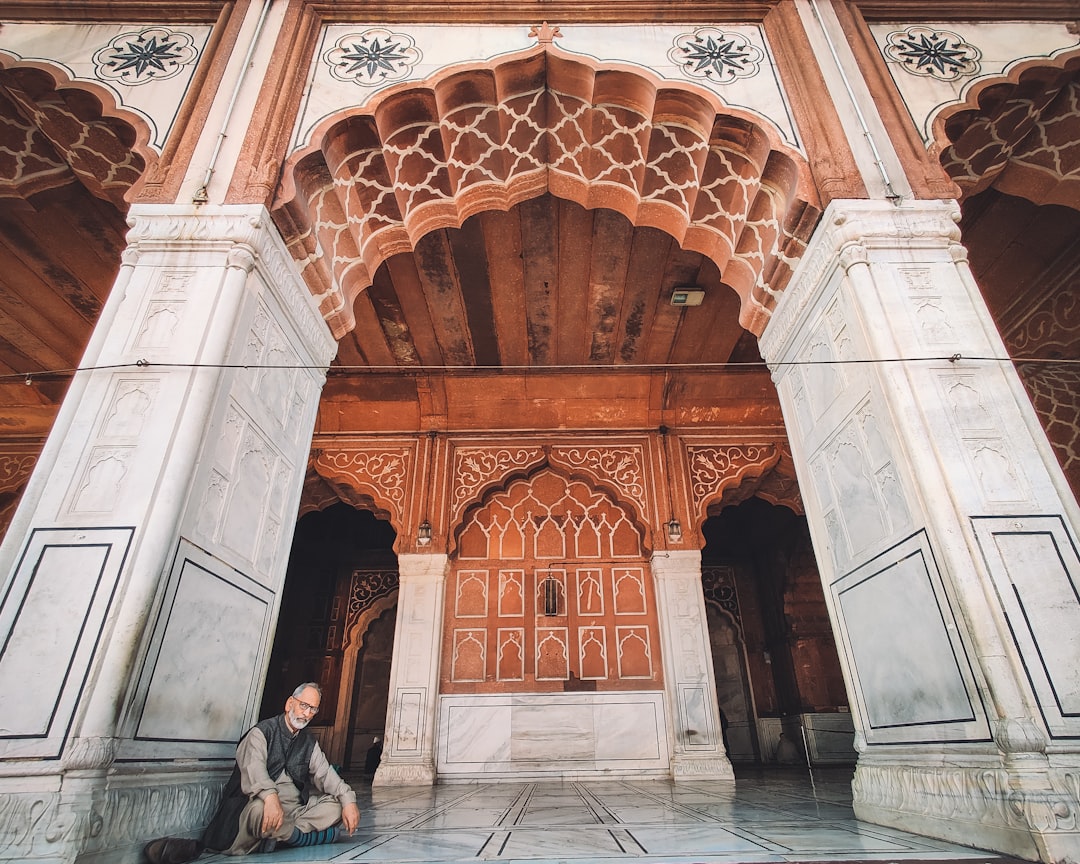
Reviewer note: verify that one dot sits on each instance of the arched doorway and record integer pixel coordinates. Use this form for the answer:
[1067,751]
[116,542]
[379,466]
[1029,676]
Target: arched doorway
[336,627]
[774,657]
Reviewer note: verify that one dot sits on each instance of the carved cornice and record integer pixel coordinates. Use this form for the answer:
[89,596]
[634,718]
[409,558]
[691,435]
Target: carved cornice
[160,227]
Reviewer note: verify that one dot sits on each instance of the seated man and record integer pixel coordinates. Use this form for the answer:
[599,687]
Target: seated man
[290,795]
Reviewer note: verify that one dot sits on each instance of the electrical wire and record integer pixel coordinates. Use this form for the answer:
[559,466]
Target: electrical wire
[50,374]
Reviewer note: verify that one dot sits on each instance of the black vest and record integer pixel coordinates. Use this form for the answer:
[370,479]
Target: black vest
[284,752]
[287,752]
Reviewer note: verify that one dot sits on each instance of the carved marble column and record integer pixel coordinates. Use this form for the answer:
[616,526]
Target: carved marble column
[143,572]
[945,533]
[690,688]
[408,757]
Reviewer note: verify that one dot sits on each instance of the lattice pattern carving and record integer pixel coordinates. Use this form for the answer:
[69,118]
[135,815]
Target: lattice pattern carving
[50,138]
[431,157]
[1021,139]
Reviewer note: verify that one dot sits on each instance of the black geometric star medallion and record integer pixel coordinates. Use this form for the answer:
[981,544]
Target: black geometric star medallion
[371,57]
[935,53]
[716,55]
[145,56]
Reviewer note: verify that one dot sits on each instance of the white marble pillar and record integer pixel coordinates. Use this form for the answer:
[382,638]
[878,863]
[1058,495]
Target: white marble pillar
[408,757]
[689,685]
[143,572]
[945,533]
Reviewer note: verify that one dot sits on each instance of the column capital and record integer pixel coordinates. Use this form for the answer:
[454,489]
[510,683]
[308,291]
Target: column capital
[417,567]
[853,231]
[677,564]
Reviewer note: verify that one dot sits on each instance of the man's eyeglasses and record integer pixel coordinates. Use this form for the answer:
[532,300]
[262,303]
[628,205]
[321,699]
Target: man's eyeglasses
[310,709]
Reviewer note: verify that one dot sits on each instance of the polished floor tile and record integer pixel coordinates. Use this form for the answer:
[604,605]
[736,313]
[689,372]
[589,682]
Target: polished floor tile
[768,817]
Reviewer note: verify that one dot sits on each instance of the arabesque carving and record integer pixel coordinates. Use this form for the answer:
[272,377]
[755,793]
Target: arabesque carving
[620,466]
[713,469]
[479,468]
[379,474]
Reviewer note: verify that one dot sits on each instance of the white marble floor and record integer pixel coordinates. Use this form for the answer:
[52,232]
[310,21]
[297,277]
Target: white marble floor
[778,815]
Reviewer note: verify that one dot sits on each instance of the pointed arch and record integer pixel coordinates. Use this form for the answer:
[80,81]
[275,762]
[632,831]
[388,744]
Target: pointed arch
[421,157]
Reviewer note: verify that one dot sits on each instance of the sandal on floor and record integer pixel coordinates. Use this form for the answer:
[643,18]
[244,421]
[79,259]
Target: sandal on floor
[172,850]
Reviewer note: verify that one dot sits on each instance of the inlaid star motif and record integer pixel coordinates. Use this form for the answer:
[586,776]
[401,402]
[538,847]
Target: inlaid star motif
[934,53]
[711,55]
[145,56]
[371,57]
[716,55]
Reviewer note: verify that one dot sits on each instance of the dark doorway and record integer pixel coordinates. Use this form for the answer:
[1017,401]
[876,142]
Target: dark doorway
[342,579]
[774,656]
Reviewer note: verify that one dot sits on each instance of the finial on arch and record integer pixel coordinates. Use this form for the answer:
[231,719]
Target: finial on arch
[545,34]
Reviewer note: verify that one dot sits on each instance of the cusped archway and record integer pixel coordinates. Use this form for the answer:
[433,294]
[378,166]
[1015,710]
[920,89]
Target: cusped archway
[423,157]
[550,590]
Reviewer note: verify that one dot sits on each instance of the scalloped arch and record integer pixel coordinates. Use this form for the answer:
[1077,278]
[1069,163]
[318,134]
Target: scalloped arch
[79,133]
[427,156]
[1019,133]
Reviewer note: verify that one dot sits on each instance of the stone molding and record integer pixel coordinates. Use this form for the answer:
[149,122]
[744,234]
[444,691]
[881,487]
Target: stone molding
[160,227]
[54,826]
[404,774]
[697,768]
[968,801]
[847,225]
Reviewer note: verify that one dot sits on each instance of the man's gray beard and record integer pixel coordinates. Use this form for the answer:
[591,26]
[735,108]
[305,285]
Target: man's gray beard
[297,722]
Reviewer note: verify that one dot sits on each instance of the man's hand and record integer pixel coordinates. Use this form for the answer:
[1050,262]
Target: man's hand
[273,815]
[350,817]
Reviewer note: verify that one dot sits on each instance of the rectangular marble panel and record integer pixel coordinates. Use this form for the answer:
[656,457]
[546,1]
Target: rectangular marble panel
[1036,572]
[203,669]
[52,617]
[693,705]
[912,677]
[408,716]
[551,735]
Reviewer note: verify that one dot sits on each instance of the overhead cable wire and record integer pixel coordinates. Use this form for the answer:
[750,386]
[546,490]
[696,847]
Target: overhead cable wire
[30,377]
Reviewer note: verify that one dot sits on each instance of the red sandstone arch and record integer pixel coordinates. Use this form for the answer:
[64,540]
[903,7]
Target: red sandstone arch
[600,490]
[424,156]
[1019,133]
[55,131]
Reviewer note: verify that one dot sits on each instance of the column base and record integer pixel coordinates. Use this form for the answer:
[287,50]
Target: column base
[404,774]
[61,818]
[979,806]
[701,768]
